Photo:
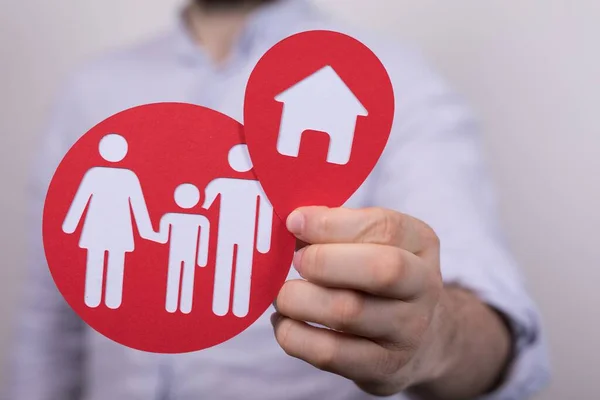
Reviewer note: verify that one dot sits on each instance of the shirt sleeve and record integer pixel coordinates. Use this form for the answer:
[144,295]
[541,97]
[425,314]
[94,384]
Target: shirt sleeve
[47,348]
[433,169]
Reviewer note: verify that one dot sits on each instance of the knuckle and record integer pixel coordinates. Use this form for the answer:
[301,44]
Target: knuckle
[422,327]
[434,285]
[389,273]
[417,330]
[430,238]
[283,336]
[405,349]
[286,297]
[376,227]
[325,224]
[313,262]
[412,325]
[397,321]
[325,358]
[388,364]
[347,309]
[387,226]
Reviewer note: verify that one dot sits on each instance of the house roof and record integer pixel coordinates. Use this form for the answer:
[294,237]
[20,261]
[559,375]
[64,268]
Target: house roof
[323,86]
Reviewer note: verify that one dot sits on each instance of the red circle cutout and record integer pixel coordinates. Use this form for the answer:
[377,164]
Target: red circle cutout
[168,144]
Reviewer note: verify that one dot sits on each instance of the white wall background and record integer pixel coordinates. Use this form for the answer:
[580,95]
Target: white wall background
[530,68]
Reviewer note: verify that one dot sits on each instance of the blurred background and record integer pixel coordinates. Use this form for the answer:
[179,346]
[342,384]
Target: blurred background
[531,70]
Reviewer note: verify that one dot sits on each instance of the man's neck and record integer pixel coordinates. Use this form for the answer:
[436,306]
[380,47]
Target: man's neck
[217,29]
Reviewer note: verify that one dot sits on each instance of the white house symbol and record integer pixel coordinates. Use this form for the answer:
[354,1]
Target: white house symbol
[320,102]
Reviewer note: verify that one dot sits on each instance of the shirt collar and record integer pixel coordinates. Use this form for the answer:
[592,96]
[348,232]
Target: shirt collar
[271,21]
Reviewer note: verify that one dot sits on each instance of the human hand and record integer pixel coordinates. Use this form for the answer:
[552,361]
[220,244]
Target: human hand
[68,228]
[155,237]
[372,277]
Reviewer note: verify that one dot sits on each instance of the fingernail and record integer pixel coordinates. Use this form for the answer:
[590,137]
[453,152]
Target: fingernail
[295,222]
[297,261]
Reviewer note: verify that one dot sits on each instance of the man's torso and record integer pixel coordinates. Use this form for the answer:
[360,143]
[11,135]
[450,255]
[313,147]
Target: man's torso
[251,365]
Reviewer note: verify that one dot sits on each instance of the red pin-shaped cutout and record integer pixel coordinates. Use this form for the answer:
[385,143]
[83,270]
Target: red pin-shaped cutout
[318,113]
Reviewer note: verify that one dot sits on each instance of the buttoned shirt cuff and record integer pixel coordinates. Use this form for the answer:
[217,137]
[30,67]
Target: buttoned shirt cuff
[529,370]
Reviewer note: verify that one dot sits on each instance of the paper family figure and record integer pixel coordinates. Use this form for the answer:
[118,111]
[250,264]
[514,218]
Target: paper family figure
[188,236]
[243,205]
[320,102]
[107,228]
[108,231]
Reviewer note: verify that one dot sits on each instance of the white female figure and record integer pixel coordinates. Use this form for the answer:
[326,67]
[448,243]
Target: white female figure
[107,228]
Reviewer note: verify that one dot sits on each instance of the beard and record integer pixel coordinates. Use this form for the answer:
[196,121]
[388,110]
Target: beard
[229,4]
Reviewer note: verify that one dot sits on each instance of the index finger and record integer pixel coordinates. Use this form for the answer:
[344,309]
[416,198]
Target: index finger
[322,225]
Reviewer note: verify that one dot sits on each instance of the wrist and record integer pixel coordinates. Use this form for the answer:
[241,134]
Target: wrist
[438,357]
[469,349]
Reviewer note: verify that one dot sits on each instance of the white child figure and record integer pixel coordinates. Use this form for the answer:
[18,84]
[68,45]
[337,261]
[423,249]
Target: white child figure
[188,237]
[244,205]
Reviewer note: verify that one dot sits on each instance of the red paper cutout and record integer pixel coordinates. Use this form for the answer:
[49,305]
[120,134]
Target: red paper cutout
[163,155]
[338,92]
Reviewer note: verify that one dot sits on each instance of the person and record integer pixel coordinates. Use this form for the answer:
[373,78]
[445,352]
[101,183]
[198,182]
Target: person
[188,237]
[412,276]
[107,231]
[243,204]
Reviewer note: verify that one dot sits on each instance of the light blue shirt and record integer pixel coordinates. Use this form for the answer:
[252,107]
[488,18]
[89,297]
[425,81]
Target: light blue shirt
[432,169]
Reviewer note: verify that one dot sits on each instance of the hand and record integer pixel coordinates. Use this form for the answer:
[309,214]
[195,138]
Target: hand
[155,237]
[68,229]
[69,226]
[373,277]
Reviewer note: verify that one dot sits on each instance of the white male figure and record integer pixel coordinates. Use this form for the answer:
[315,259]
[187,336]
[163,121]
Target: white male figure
[243,204]
[188,237]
